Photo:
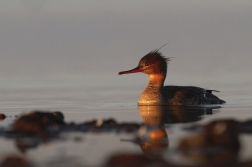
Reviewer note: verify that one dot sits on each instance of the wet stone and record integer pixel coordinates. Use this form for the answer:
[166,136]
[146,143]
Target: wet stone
[130,160]
[15,161]
[216,145]
[2,116]
[38,127]
[38,123]
[220,133]
[128,127]
[247,126]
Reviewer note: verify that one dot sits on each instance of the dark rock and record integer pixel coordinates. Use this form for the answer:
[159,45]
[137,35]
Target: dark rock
[217,143]
[222,133]
[39,123]
[247,126]
[2,116]
[130,160]
[15,161]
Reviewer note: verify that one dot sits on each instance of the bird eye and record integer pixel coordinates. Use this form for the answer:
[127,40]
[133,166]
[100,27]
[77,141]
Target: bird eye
[147,64]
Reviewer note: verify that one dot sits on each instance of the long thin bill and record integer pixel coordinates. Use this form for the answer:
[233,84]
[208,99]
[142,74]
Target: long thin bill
[137,69]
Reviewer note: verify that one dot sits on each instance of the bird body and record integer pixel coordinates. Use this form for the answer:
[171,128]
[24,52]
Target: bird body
[155,65]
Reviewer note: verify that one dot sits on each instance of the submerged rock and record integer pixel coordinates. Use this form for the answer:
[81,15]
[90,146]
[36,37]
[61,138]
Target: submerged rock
[130,160]
[217,143]
[2,116]
[39,123]
[220,133]
[15,161]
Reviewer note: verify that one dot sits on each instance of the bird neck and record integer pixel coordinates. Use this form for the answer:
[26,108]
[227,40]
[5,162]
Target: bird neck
[156,80]
[153,94]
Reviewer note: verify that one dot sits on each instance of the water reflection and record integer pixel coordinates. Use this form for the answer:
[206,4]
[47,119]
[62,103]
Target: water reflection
[152,136]
[217,143]
[153,141]
[39,127]
[159,115]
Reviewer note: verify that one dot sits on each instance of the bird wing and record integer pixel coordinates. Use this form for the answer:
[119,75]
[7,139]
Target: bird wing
[190,95]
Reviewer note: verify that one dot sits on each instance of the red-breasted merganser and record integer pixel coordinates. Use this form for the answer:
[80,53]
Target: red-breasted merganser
[155,65]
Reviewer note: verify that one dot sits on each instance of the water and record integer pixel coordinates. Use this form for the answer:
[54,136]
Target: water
[84,104]
[65,57]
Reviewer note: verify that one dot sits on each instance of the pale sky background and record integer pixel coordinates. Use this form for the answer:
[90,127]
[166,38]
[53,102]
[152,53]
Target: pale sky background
[86,43]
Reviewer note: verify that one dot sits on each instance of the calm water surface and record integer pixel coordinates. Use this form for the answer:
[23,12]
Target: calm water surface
[94,149]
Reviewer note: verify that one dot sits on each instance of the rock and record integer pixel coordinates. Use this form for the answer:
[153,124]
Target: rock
[2,116]
[218,143]
[15,161]
[128,160]
[220,133]
[39,123]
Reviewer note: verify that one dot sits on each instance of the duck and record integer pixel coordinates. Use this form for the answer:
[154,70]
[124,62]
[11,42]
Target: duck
[155,65]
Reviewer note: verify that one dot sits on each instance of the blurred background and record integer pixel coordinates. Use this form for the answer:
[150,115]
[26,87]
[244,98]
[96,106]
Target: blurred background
[84,44]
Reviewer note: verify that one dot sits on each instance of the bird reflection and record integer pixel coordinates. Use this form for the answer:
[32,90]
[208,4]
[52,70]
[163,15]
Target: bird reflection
[152,136]
[153,140]
[160,115]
